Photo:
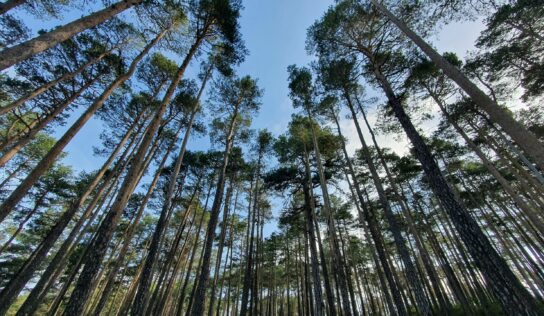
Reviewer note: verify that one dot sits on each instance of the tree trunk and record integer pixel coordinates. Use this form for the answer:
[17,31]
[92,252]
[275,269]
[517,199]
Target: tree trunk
[222,236]
[43,88]
[46,162]
[411,273]
[18,53]
[145,280]
[18,282]
[10,4]
[110,278]
[513,296]
[369,216]
[521,135]
[312,240]
[23,140]
[200,293]
[336,256]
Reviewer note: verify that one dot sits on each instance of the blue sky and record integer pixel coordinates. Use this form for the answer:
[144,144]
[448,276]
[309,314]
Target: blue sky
[275,34]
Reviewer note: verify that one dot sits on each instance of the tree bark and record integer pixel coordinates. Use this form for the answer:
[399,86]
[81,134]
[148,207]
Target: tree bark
[145,280]
[10,4]
[18,53]
[411,272]
[200,293]
[17,195]
[521,135]
[512,295]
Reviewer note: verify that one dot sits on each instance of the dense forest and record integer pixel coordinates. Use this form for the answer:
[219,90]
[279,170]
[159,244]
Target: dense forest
[263,223]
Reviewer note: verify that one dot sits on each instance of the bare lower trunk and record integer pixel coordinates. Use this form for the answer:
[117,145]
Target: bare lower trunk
[18,53]
[513,296]
[200,293]
[411,272]
[145,278]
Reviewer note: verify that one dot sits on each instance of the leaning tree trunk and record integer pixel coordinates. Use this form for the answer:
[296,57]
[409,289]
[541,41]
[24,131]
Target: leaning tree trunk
[513,296]
[43,88]
[82,290]
[369,216]
[110,278]
[528,210]
[519,133]
[10,4]
[16,143]
[411,272]
[47,161]
[200,293]
[97,250]
[18,53]
[17,283]
[145,279]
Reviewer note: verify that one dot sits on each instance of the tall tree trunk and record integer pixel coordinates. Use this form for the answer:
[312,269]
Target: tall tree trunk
[369,216]
[513,296]
[310,228]
[336,256]
[10,292]
[110,278]
[222,236]
[521,135]
[17,195]
[18,53]
[433,276]
[145,280]
[252,214]
[200,294]
[181,300]
[411,272]
[529,211]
